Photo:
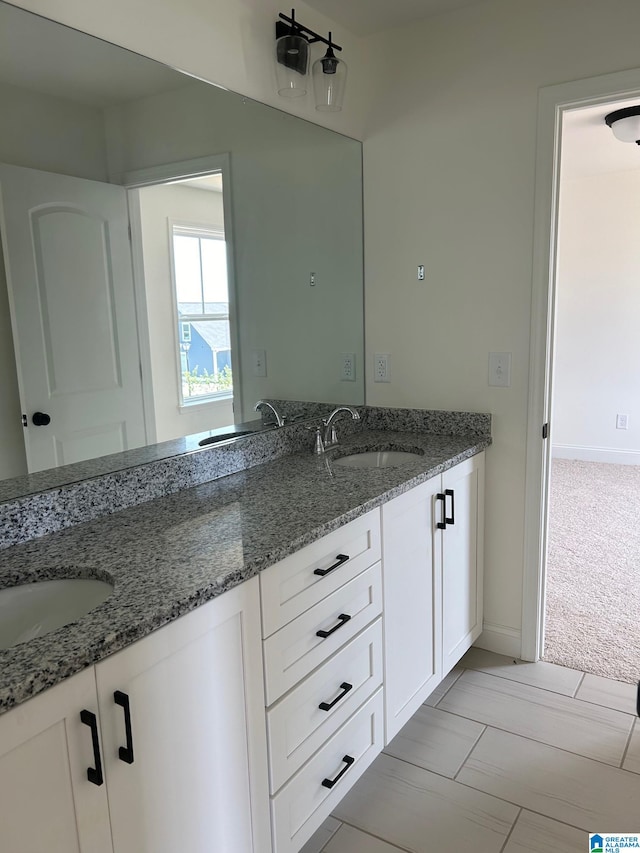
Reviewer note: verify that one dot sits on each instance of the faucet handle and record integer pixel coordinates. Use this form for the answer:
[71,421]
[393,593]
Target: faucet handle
[318,447]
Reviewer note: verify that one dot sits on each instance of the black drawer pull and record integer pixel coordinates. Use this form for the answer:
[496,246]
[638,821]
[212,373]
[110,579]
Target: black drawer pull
[343,618]
[125,753]
[441,525]
[94,774]
[345,687]
[451,520]
[341,558]
[348,761]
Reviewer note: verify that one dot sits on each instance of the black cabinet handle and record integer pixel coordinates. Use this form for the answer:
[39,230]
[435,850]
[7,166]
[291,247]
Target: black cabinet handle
[638,700]
[94,774]
[345,687]
[451,520]
[441,525]
[125,753]
[41,419]
[341,558]
[329,783]
[343,618]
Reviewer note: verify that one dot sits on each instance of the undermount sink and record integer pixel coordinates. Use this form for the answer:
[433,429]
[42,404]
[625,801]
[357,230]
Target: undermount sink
[34,609]
[378,459]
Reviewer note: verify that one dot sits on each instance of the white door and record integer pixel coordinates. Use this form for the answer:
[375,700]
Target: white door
[195,778]
[47,801]
[68,261]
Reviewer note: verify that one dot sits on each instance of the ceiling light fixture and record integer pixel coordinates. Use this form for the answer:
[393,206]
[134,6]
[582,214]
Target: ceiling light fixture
[625,124]
[292,64]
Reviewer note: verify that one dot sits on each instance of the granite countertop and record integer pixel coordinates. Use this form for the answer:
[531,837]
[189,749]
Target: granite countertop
[167,556]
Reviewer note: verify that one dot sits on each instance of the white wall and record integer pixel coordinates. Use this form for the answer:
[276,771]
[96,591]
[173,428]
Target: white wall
[296,201]
[228,42]
[449,158]
[597,357]
[158,205]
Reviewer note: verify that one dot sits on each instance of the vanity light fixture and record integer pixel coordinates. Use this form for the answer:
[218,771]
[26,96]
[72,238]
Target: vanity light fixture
[625,124]
[292,65]
[329,78]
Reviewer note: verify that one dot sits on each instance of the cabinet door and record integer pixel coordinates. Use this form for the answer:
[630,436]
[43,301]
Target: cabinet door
[194,692]
[411,623]
[462,549]
[47,802]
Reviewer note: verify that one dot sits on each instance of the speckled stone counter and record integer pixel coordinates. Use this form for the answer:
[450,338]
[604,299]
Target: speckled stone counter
[167,556]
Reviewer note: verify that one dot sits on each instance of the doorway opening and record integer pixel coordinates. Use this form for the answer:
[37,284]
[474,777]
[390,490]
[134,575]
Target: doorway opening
[583,481]
[592,590]
[183,259]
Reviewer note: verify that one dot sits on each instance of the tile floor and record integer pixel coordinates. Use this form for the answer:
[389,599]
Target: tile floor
[504,757]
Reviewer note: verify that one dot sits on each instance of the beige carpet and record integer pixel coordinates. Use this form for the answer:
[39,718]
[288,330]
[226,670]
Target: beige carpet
[593,569]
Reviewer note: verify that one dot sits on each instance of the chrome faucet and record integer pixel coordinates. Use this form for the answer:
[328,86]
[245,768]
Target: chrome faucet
[279,418]
[330,437]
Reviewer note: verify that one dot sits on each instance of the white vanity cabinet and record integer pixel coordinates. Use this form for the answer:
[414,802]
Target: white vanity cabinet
[459,550]
[240,726]
[322,649]
[182,717]
[191,773]
[432,581]
[47,803]
[412,627]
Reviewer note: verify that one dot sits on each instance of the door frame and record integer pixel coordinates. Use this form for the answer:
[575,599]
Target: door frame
[553,102]
[163,174]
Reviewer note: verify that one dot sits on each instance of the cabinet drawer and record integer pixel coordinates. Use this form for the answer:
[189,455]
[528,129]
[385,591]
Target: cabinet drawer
[290,587]
[297,726]
[304,802]
[296,649]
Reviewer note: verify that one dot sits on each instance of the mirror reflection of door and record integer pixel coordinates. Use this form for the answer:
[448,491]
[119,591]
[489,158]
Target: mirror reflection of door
[68,264]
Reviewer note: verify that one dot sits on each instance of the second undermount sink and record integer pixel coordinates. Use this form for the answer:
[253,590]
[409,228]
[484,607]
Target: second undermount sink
[34,609]
[378,459]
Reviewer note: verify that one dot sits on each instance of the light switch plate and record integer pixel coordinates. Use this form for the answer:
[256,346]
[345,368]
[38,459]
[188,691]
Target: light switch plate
[500,369]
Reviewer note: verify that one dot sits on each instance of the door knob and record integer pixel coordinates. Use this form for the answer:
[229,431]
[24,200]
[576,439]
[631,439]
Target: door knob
[41,419]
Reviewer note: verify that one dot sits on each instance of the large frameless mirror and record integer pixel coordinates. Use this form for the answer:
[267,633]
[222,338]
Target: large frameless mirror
[172,253]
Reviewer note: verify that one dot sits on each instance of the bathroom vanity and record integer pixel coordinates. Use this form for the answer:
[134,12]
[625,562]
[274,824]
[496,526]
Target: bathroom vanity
[268,633]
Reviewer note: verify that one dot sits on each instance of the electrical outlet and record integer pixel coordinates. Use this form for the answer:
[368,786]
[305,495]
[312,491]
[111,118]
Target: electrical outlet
[348,367]
[259,357]
[420,272]
[622,421]
[382,367]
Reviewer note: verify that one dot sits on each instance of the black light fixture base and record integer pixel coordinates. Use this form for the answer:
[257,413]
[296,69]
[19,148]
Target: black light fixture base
[292,27]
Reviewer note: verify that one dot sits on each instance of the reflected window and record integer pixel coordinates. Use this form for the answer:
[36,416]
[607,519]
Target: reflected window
[202,296]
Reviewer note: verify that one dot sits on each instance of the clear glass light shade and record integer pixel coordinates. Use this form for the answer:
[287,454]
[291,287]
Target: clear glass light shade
[627,129]
[292,64]
[329,79]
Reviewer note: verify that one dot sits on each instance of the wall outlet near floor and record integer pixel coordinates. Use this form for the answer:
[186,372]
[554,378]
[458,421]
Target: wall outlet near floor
[382,367]
[622,421]
[348,367]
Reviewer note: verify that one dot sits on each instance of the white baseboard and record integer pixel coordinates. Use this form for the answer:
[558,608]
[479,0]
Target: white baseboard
[596,454]
[500,639]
